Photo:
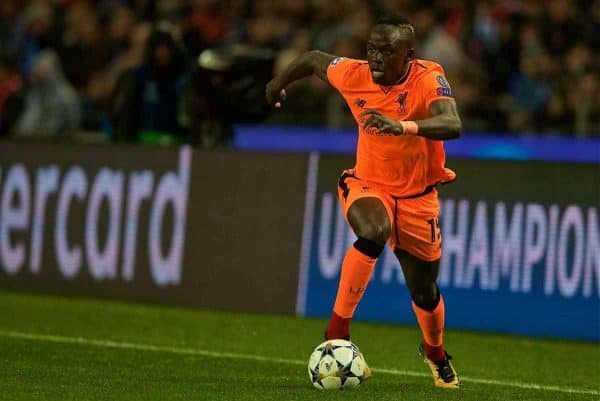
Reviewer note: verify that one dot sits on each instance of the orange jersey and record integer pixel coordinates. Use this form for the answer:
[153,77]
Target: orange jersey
[404,165]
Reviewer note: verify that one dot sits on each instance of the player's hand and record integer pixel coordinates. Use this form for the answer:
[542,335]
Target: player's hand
[384,124]
[275,93]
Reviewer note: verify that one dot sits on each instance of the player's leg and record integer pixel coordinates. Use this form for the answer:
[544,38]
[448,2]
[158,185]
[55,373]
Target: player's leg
[369,218]
[370,222]
[428,304]
[418,249]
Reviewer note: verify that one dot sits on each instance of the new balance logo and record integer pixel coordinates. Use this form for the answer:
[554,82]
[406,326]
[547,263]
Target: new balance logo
[360,102]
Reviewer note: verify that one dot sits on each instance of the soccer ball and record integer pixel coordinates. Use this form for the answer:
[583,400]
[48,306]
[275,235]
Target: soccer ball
[336,364]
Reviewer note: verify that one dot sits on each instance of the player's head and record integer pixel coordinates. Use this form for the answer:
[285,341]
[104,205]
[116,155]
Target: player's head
[390,48]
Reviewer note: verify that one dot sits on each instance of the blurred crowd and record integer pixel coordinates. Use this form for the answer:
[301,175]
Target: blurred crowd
[186,70]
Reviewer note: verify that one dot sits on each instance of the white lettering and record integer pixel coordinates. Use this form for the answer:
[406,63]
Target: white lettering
[551,251]
[166,269]
[478,249]
[455,238]
[592,255]
[572,221]
[74,185]
[535,242]
[107,185]
[331,249]
[14,217]
[506,250]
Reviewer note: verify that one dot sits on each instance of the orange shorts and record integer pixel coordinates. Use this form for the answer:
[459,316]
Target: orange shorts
[415,227]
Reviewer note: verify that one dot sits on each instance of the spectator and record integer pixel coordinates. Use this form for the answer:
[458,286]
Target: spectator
[208,22]
[11,95]
[578,60]
[530,95]
[560,28]
[442,47]
[40,33]
[13,28]
[592,26]
[121,24]
[51,104]
[126,53]
[85,49]
[133,56]
[585,101]
[150,99]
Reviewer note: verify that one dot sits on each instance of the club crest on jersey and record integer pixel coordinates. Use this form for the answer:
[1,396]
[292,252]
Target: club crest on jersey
[337,60]
[402,102]
[360,102]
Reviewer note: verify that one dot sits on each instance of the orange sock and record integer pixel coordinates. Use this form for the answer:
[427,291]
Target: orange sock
[432,327]
[356,272]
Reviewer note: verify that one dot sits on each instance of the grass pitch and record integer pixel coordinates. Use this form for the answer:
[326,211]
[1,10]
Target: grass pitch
[55,348]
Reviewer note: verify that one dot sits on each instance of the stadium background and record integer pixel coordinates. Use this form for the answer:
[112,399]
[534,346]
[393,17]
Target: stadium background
[139,162]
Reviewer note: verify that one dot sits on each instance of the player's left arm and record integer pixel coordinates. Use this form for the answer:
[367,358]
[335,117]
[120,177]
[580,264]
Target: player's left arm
[443,124]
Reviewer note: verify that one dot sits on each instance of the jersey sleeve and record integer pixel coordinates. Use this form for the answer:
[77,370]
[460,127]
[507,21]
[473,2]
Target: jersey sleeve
[338,71]
[434,86]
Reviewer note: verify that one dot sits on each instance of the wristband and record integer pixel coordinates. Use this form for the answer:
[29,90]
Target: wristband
[409,127]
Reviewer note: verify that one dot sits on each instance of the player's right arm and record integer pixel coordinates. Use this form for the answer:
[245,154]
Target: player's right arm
[311,62]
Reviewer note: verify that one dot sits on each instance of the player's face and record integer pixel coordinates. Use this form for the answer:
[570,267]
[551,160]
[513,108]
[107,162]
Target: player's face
[389,50]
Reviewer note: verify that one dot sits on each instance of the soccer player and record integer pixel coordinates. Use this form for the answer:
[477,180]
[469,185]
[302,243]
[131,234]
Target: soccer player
[404,110]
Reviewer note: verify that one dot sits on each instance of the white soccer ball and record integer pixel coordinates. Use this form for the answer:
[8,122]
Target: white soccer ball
[336,364]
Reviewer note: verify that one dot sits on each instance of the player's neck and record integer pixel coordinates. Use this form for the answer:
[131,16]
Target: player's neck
[404,75]
[399,81]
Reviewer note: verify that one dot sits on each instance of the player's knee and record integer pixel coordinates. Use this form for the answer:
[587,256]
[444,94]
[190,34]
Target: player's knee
[378,232]
[425,296]
[368,247]
[369,219]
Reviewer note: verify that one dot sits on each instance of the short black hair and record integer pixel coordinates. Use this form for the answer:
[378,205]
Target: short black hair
[397,21]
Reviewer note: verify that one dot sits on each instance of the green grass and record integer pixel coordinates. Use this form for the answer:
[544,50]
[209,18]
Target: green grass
[156,353]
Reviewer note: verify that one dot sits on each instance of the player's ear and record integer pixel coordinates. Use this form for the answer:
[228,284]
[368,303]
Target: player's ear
[411,54]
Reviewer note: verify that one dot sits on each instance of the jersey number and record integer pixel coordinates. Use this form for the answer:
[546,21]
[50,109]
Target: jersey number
[434,224]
